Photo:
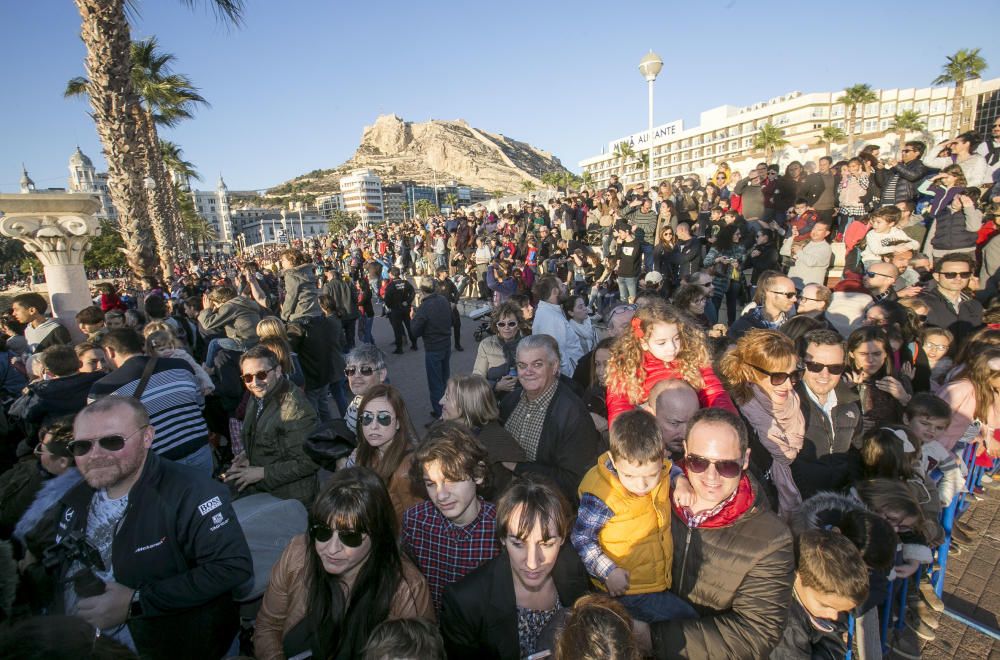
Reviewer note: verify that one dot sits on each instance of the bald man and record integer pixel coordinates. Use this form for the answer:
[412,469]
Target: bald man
[851,298]
[673,402]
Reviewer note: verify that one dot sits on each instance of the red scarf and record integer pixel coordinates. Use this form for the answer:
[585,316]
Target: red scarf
[731,512]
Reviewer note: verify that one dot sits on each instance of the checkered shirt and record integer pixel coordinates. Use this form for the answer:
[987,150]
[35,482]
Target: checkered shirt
[526,421]
[445,552]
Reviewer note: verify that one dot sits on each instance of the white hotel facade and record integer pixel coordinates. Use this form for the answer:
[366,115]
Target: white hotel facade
[726,133]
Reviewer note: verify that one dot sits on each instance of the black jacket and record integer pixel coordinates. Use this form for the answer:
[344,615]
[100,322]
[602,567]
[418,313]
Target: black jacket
[686,257]
[432,321]
[180,544]
[828,460]
[45,400]
[803,641]
[344,297]
[569,444]
[479,612]
[313,339]
[399,295]
[907,175]
[961,322]
[950,232]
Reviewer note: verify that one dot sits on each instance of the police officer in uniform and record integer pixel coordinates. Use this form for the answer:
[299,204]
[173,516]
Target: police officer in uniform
[399,300]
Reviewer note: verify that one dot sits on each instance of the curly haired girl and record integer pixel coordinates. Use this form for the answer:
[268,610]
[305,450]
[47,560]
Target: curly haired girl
[662,343]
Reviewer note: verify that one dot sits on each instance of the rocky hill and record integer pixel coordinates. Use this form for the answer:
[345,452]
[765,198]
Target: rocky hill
[443,150]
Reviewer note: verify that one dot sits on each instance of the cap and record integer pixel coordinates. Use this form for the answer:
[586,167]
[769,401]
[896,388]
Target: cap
[653,277]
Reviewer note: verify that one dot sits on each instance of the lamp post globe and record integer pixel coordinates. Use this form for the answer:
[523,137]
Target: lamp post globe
[650,66]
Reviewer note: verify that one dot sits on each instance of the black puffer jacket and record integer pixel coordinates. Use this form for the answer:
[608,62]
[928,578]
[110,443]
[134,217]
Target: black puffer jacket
[739,579]
[828,459]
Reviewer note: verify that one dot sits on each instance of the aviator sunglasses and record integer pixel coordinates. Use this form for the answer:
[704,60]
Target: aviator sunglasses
[383,418]
[365,370]
[726,469]
[108,443]
[321,533]
[260,375]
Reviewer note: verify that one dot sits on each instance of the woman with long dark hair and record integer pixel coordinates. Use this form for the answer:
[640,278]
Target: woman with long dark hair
[332,586]
[975,403]
[726,260]
[884,392]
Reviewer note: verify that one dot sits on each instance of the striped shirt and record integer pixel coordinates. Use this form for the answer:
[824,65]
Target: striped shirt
[172,398]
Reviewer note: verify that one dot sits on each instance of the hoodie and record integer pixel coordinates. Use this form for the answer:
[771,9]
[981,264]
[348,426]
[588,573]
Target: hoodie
[301,294]
[237,317]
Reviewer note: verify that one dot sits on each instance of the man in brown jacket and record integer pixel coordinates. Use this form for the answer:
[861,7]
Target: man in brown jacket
[733,557]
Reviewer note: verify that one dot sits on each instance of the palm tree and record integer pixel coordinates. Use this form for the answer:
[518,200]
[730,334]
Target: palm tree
[854,96]
[965,64]
[426,208]
[497,194]
[114,106]
[768,139]
[905,122]
[642,160]
[174,164]
[405,206]
[625,153]
[451,200]
[829,135]
[550,179]
[528,186]
[587,181]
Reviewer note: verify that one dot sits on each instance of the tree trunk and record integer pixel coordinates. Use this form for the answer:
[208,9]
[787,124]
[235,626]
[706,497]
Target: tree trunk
[105,33]
[160,213]
[850,131]
[958,121]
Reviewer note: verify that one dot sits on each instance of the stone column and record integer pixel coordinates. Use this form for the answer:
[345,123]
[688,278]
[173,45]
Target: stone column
[56,228]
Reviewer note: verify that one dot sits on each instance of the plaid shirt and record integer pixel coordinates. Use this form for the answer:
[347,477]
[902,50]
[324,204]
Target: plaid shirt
[593,515]
[526,420]
[445,552]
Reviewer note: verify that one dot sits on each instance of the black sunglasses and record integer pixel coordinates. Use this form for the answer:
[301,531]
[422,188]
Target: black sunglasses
[383,418]
[791,295]
[321,533]
[779,377]
[869,273]
[816,367]
[365,370]
[260,375]
[506,324]
[726,469]
[950,276]
[108,443]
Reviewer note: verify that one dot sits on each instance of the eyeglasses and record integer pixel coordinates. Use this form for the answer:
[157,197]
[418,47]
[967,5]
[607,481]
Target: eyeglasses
[952,275]
[506,324]
[321,533]
[791,295]
[726,469]
[40,449]
[871,273]
[108,443]
[260,375]
[816,367]
[365,370]
[810,299]
[779,377]
[384,418]
[936,347]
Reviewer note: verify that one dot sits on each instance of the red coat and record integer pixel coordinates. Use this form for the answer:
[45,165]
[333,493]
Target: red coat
[712,393]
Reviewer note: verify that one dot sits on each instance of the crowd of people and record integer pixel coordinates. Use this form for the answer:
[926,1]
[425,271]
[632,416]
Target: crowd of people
[683,433]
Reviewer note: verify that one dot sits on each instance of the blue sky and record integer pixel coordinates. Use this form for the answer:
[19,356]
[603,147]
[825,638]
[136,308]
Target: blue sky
[293,88]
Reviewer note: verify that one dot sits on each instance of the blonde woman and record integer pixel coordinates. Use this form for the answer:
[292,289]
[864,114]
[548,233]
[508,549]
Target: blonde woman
[162,341]
[497,354]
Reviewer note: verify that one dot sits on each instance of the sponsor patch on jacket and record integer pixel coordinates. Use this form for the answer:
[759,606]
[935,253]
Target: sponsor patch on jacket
[210,505]
[144,548]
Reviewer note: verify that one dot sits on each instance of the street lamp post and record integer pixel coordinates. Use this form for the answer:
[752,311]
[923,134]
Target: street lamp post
[650,67]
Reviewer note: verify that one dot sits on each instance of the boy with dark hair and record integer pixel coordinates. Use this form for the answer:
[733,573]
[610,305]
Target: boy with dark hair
[928,416]
[91,322]
[830,580]
[622,532]
[62,390]
[455,531]
[41,332]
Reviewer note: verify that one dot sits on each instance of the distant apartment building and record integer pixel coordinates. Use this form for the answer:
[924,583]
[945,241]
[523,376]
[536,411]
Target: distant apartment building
[256,226]
[327,204]
[439,195]
[726,133]
[362,191]
[394,203]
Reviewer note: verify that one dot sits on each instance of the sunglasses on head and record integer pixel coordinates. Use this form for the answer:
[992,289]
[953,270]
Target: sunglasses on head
[816,367]
[950,276]
[260,375]
[779,377]
[108,443]
[383,418]
[321,533]
[726,469]
[365,370]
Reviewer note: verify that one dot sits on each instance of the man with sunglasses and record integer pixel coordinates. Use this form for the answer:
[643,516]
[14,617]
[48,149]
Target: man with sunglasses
[951,304]
[171,549]
[775,300]
[278,420]
[899,182]
[833,417]
[733,557]
[851,298]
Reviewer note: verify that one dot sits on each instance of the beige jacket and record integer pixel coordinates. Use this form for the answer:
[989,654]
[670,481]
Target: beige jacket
[285,600]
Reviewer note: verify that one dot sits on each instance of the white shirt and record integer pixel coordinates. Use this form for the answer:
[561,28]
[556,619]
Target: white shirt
[551,320]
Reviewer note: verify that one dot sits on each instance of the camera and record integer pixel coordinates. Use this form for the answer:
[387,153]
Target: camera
[74,547]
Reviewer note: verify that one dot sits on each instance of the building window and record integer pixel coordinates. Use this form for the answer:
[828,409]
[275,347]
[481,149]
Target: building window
[838,110]
[871,109]
[870,125]
[937,106]
[888,109]
[936,122]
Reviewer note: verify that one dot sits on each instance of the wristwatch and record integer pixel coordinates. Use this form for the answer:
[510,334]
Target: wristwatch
[135,608]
